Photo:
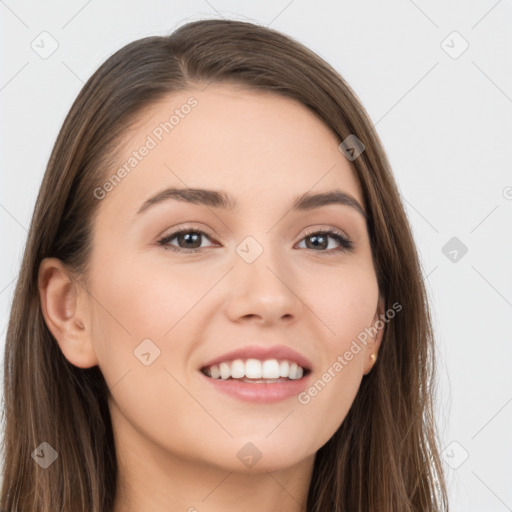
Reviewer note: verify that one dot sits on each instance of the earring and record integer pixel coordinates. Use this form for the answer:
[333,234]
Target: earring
[373,357]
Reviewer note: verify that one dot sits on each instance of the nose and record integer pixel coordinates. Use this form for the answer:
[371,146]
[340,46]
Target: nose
[263,291]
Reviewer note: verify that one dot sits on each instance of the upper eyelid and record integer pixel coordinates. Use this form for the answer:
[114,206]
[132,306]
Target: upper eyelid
[173,233]
[309,231]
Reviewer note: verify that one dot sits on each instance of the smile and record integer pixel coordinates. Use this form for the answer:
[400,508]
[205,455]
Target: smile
[254,370]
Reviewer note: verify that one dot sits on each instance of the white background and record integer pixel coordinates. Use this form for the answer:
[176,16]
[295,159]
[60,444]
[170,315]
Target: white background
[446,125]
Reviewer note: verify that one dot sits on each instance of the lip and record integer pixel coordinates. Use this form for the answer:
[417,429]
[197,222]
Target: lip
[263,353]
[262,393]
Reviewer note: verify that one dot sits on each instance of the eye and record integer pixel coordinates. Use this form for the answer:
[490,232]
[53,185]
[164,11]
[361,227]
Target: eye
[320,240]
[189,240]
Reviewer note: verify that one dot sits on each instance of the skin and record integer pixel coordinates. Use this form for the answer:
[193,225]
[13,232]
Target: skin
[176,436]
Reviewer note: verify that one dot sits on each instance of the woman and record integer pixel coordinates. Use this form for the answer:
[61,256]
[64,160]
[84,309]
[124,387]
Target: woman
[220,304]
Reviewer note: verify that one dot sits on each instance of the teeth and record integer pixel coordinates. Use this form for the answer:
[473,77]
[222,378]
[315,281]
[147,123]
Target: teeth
[270,369]
[255,369]
[214,372]
[295,371]
[225,371]
[292,370]
[237,369]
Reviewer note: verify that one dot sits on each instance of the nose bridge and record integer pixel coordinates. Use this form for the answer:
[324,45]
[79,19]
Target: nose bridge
[261,282]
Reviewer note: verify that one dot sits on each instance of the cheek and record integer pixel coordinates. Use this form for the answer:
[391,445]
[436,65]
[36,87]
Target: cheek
[146,300]
[344,301]
[135,302]
[347,306]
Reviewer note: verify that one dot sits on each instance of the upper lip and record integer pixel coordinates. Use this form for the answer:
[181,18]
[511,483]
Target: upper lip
[262,353]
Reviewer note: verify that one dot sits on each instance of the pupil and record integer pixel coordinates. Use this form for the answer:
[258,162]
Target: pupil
[316,239]
[192,238]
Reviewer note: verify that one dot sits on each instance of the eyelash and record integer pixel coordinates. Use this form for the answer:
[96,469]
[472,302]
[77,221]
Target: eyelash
[345,243]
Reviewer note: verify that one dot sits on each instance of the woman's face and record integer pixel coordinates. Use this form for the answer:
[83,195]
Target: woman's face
[266,275]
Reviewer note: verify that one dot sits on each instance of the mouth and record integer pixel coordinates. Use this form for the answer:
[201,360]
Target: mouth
[259,374]
[255,371]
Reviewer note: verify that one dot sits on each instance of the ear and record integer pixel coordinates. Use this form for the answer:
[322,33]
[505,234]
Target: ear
[377,328]
[65,310]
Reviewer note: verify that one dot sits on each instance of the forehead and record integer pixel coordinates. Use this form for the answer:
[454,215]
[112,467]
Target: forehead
[256,145]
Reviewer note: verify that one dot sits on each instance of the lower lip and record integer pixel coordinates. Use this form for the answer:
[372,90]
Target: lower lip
[263,393]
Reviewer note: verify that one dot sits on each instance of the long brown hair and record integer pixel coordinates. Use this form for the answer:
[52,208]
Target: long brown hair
[384,457]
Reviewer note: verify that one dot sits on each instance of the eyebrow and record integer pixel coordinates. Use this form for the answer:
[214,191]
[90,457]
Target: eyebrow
[219,199]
